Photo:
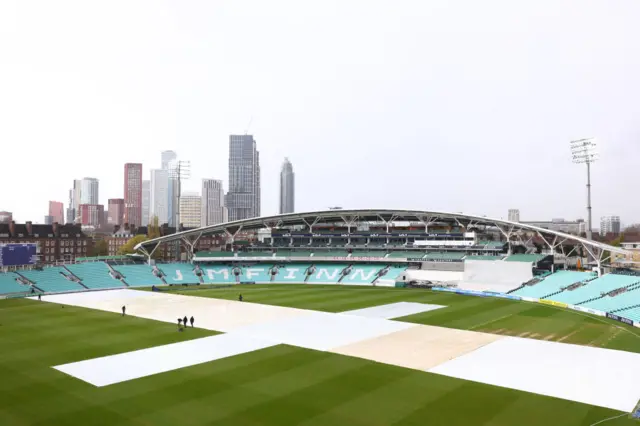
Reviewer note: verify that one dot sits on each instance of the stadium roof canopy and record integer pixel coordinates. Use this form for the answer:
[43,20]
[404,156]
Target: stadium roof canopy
[512,231]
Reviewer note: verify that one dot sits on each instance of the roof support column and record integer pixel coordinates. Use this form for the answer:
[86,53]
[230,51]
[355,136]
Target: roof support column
[312,224]
[191,244]
[232,237]
[349,221]
[426,221]
[387,223]
[508,233]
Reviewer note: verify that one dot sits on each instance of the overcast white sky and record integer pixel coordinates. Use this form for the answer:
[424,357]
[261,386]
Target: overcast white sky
[447,105]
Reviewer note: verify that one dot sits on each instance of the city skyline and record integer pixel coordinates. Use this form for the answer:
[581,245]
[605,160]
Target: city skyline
[434,94]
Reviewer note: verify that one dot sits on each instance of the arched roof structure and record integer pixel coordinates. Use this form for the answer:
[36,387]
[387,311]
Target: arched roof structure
[512,231]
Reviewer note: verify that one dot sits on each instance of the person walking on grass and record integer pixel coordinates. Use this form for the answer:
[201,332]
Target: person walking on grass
[39,297]
[192,321]
[184,321]
[179,323]
[124,309]
[240,298]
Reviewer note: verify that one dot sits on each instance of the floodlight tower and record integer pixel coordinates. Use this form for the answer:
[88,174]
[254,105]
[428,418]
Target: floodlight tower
[178,170]
[583,151]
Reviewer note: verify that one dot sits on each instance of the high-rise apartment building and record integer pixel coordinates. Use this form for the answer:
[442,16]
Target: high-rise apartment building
[610,225]
[166,158]
[190,210]
[514,215]
[91,215]
[146,199]
[89,193]
[71,211]
[159,195]
[287,188]
[77,191]
[56,211]
[213,208]
[243,198]
[115,212]
[133,193]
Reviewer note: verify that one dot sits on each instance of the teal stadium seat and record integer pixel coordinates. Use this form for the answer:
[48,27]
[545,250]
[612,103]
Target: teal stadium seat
[138,275]
[8,284]
[362,274]
[630,313]
[326,274]
[553,283]
[292,274]
[179,273]
[623,300]
[217,274]
[533,258]
[595,288]
[257,273]
[95,275]
[51,280]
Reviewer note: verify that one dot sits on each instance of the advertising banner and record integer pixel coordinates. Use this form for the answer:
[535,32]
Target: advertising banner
[529,299]
[448,290]
[587,310]
[619,318]
[503,296]
[553,303]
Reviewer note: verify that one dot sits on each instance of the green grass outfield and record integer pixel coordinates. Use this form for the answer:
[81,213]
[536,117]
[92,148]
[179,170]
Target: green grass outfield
[282,385]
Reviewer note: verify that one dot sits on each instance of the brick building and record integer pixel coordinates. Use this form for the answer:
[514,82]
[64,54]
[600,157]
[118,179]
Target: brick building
[55,242]
[167,251]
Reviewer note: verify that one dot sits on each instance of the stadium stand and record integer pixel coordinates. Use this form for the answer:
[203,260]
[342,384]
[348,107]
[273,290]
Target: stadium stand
[484,257]
[533,258]
[218,274]
[326,274]
[553,284]
[8,284]
[331,253]
[445,256]
[214,254]
[406,254]
[595,289]
[362,274]
[256,254]
[610,303]
[94,275]
[256,273]
[51,280]
[178,273]
[138,275]
[356,253]
[632,313]
[293,273]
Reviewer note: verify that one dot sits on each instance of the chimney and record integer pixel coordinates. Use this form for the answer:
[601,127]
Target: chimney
[29,228]
[12,228]
[56,229]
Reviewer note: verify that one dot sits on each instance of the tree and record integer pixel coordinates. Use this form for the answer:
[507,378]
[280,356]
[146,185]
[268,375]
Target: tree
[100,248]
[153,229]
[128,247]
